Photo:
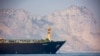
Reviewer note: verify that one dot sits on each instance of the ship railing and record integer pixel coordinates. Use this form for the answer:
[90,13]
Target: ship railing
[23,41]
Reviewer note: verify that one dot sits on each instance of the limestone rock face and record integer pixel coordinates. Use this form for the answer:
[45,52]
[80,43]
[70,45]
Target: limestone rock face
[75,24]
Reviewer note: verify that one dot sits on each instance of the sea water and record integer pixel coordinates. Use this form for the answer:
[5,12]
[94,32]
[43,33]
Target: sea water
[65,54]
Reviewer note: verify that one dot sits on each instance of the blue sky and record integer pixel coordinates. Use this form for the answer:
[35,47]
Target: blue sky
[44,7]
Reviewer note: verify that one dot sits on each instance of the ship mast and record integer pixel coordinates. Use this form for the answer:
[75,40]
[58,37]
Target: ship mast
[49,34]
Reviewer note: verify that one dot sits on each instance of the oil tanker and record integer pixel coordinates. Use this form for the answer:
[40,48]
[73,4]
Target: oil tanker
[22,46]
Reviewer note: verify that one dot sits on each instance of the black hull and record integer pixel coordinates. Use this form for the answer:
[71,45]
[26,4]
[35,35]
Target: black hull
[30,48]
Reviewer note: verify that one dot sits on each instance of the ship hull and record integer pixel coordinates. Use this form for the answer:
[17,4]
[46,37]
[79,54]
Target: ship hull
[30,48]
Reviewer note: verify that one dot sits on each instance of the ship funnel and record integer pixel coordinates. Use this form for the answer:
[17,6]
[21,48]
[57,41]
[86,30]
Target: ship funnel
[49,34]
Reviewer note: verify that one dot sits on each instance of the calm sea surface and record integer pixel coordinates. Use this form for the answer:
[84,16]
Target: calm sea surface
[67,54]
